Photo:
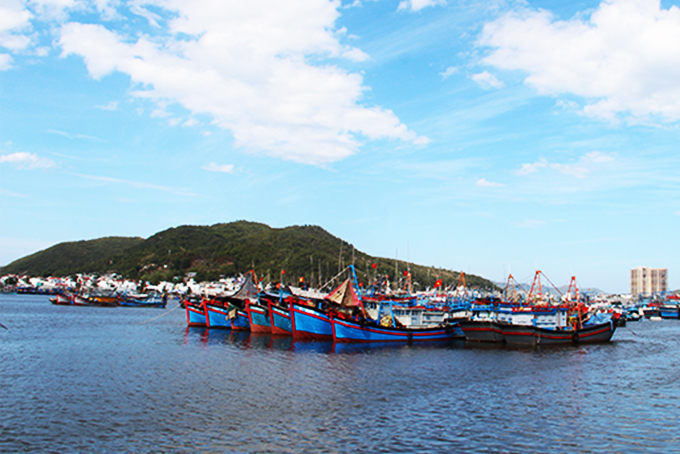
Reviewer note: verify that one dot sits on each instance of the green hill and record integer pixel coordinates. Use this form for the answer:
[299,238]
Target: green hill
[69,258]
[227,250]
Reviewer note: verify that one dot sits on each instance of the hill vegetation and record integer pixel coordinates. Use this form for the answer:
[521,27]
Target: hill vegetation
[65,259]
[226,250]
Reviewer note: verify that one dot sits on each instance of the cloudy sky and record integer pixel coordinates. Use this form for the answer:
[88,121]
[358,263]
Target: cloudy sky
[484,136]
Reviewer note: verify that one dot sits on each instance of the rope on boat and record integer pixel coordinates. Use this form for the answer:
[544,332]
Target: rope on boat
[162,315]
[332,279]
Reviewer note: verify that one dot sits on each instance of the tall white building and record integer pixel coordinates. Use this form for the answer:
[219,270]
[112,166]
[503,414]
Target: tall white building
[648,280]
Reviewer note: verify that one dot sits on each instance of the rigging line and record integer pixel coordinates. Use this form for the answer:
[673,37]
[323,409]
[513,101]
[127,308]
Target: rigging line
[558,290]
[332,279]
[162,315]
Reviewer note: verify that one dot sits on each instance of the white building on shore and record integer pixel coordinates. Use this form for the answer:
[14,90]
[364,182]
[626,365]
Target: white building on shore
[647,280]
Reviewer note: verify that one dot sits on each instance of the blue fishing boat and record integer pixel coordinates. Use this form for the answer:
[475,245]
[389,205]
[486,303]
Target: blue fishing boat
[217,316]
[310,323]
[669,311]
[143,300]
[240,320]
[195,313]
[356,331]
[258,317]
[279,316]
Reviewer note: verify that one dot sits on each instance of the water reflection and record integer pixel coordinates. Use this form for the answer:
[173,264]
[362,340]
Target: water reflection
[262,341]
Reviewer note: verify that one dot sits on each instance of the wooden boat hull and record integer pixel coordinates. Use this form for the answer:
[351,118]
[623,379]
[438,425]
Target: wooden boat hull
[195,315]
[310,324]
[482,331]
[517,334]
[351,331]
[258,317]
[281,323]
[216,317]
[590,334]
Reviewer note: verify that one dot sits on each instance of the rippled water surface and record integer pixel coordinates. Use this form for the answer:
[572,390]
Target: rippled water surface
[80,379]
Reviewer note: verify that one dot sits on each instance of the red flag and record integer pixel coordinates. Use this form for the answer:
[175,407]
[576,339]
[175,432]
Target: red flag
[438,283]
[283,271]
[374,266]
[405,273]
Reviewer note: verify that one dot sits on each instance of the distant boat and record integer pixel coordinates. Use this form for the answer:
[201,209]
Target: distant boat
[63,299]
[143,300]
[539,324]
[669,310]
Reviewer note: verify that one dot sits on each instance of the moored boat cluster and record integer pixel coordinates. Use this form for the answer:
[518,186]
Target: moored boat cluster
[349,315]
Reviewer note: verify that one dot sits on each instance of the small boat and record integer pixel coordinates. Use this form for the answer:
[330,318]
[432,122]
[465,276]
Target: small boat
[63,299]
[668,310]
[143,300]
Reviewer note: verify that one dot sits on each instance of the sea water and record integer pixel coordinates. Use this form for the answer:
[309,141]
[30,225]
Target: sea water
[137,380]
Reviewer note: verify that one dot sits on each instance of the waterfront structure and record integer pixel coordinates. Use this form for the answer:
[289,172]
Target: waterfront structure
[645,280]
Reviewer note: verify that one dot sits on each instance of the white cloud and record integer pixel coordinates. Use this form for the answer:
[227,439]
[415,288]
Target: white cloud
[14,19]
[580,169]
[5,62]
[212,167]
[246,64]
[450,71]
[30,161]
[113,105]
[191,122]
[482,182]
[528,169]
[487,81]
[624,60]
[417,5]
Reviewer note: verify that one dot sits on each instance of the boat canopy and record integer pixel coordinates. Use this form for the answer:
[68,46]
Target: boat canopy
[345,295]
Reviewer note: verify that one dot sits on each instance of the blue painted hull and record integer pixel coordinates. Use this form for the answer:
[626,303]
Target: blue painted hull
[669,312]
[240,322]
[259,319]
[217,317]
[195,316]
[150,302]
[349,331]
[280,320]
[311,324]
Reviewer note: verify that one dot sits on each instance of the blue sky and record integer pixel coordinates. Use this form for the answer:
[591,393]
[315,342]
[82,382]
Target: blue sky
[488,137]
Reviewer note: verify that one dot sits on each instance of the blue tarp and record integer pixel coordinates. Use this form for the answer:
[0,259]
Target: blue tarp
[598,319]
